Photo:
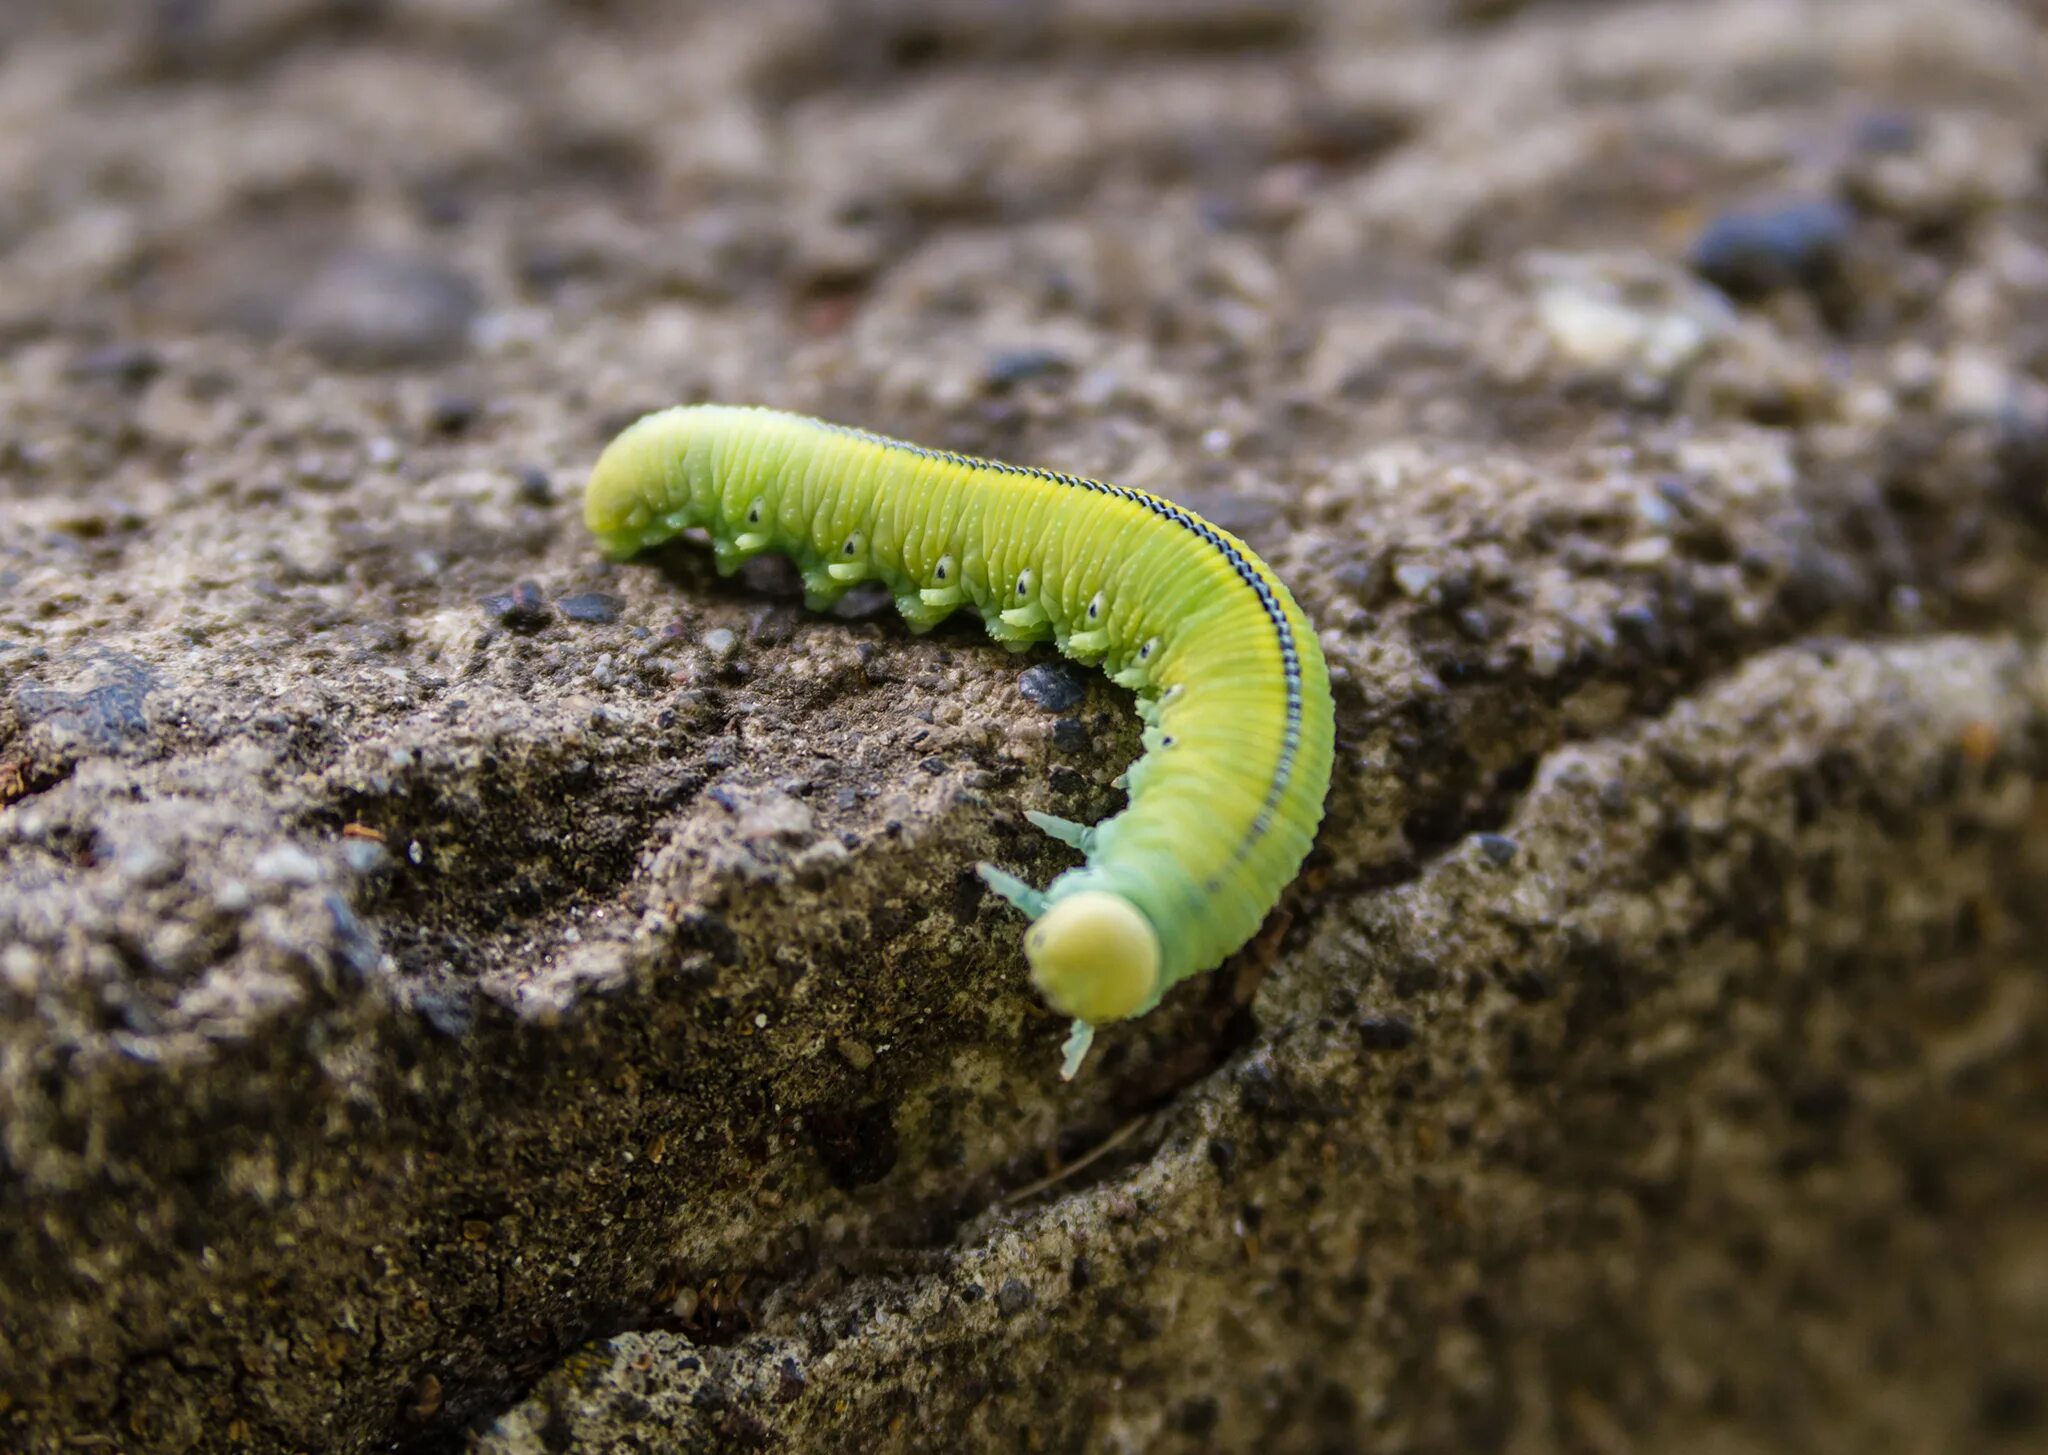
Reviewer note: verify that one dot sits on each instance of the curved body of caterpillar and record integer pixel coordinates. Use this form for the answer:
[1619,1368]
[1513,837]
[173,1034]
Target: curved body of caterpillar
[1229,678]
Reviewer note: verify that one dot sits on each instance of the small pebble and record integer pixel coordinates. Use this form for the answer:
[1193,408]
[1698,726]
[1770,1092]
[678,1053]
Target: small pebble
[591,606]
[1498,848]
[522,609]
[1014,1297]
[1008,367]
[145,864]
[1790,244]
[1069,735]
[535,488]
[366,858]
[1053,687]
[129,365]
[1414,578]
[286,864]
[1386,1032]
[719,641]
[1638,625]
[452,413]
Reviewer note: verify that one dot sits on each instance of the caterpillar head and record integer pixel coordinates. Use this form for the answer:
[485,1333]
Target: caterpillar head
[1094,956]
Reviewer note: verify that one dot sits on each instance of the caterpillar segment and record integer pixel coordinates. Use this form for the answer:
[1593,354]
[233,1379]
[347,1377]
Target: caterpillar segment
[1227,794]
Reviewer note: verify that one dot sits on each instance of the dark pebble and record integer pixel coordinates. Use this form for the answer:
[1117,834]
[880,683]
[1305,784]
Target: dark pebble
[535,488]
[1498,848]
[972,1293]
[1069,736]
[789,1380]
[1009,367]
[1639,626]
[723,797]
[129,365]
[1014,1297]
[372,309]
[1453,590]
[522,609]
[591,606]
[1054,687]
[452,413]
[933,766]
[1790,244]
[1386,1032]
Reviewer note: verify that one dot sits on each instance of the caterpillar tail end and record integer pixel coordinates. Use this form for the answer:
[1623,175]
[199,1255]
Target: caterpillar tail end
[1075,1051]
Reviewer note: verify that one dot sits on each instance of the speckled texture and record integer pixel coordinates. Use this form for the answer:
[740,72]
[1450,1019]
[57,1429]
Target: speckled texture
[453,990]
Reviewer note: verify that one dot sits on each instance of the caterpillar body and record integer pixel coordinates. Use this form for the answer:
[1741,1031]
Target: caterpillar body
[1230,682]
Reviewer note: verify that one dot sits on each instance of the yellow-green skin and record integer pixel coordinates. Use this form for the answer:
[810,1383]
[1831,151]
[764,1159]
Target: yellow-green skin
[1230,681]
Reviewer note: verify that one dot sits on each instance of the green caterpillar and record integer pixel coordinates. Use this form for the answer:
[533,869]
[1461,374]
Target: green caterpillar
[1230,681]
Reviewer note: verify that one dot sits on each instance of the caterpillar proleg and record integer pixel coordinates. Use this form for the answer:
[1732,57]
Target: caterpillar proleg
[1226,797]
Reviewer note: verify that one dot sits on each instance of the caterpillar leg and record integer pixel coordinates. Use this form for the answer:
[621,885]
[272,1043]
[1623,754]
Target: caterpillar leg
[1015,890]
[1086,646]
[1017,638]
[821,589]
[1075,835]
[919,610]
[1075,1051]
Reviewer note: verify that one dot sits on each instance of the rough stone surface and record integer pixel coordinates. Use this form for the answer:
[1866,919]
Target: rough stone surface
[456,992]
